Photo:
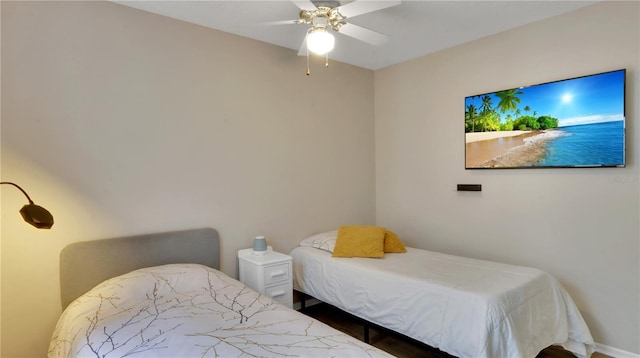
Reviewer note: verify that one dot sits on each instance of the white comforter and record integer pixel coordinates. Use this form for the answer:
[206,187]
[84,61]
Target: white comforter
[191,311]
[466,307]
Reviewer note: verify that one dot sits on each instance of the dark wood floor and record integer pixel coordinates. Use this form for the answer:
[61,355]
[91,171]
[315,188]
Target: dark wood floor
[393,343]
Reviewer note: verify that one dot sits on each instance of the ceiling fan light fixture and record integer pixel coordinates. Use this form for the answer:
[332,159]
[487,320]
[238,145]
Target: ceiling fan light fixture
[319,40]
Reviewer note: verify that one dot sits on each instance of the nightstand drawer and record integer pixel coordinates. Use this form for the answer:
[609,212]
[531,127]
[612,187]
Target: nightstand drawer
[281,293]
[277,273]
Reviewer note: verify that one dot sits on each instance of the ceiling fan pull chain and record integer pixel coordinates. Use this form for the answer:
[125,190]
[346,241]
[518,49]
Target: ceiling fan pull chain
[326,59]
[308,72]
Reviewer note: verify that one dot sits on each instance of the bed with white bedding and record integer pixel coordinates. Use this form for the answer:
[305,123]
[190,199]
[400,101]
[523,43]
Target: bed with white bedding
[178,309]
[465,307]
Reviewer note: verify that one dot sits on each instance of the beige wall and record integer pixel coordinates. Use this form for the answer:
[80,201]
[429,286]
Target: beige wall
[123,122]
[581,225]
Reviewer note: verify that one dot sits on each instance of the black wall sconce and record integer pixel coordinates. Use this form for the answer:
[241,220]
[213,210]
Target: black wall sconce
[32,213]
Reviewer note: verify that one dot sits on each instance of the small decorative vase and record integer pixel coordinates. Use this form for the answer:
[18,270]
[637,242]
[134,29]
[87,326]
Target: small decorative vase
[259,245]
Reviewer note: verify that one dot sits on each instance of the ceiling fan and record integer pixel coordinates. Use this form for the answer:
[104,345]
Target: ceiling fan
[323,17]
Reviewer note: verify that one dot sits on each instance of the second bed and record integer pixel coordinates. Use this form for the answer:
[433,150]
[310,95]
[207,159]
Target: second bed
[463,306]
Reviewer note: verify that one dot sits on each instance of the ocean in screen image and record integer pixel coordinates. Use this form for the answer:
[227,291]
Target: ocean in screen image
[597,144]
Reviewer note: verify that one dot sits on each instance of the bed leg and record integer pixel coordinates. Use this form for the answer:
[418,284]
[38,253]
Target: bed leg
[366,333]
[303,301]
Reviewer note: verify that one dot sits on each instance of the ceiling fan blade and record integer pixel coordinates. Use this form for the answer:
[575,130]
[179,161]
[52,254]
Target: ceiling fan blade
[281,22]
[360,7]
[304,4]
[362,34]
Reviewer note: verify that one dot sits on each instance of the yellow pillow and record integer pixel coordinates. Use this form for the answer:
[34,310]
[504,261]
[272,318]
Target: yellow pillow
[360,241]
[392,243]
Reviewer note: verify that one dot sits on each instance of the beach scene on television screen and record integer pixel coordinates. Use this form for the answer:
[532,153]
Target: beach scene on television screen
[577,122]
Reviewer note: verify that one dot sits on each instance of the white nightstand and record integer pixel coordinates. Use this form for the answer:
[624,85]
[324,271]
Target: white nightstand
[269,274]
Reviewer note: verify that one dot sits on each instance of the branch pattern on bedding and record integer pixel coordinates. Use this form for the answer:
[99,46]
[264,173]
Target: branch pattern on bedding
[187,310]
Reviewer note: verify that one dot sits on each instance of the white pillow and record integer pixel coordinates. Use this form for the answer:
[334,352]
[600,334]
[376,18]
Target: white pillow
[323,241]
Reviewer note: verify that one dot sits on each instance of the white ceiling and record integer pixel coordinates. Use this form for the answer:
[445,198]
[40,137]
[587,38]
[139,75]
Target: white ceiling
[414,28]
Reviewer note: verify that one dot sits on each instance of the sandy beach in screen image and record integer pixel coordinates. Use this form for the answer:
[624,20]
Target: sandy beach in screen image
[507,149]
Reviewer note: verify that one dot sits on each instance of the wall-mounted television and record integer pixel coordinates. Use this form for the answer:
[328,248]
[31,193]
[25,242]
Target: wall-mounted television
[571,123]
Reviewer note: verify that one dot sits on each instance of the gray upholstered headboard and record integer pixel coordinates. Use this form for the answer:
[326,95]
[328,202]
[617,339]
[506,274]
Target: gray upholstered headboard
[85,264]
